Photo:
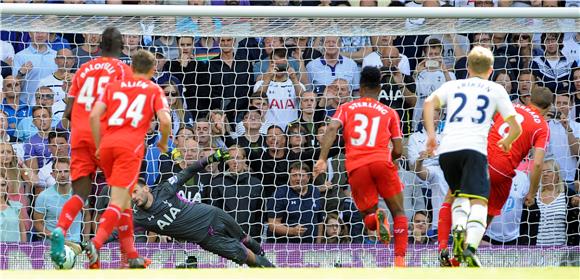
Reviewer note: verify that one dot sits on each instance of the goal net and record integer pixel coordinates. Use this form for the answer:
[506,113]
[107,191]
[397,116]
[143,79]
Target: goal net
[212,62]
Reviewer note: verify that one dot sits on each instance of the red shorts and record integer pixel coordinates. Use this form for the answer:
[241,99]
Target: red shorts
[369,181]
[82,160]
[500,186]
[121,166]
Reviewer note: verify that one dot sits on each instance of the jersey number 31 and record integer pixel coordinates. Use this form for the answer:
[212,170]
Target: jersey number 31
[361,129]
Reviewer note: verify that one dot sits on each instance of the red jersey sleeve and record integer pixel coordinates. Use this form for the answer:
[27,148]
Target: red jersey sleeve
[340,114]
[395,125]
[541,137]
[159,100]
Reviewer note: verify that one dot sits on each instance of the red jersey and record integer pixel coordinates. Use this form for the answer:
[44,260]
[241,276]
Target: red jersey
[131,106]
[535,133]
[88,84]
[368,127]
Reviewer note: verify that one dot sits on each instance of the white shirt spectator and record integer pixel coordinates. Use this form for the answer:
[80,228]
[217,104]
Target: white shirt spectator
[571,49]
[448,51]
[552,226]
[426,82]
[435,179]
[59,104]
[416,145]
[320,73]
[559,148]
[56,86]
[506,226]
[282,102]
[374,59]
[6,50]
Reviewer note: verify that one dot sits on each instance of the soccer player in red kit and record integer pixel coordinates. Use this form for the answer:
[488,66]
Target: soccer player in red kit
[128,107]
[368,128]
[87,85]
[502,166]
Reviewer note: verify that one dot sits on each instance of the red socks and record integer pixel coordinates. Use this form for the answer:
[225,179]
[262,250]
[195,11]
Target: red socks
[401,235]
[69,211]
[126,238]
[444,225]
[108,221]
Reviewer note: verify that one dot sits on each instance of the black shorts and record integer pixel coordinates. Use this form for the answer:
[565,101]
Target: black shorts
[225,238]
[466,173]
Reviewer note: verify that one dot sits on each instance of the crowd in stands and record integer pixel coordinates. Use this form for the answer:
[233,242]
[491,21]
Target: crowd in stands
[269,101]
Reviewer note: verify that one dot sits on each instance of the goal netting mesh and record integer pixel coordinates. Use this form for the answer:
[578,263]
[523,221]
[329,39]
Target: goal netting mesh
[213,67]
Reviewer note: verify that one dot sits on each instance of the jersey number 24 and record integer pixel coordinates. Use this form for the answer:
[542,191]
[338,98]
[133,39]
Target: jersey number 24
[135,111]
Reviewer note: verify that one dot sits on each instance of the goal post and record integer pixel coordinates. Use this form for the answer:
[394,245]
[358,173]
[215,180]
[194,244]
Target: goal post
[288,21]
[396,39]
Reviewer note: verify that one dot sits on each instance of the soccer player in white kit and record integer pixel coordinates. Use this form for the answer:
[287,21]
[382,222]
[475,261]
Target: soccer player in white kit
[471,104]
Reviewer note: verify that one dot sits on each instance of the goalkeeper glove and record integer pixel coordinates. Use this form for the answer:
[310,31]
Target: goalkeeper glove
[219,156]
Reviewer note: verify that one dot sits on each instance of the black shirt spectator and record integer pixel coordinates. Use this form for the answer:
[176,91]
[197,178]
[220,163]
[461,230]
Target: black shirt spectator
[231,79]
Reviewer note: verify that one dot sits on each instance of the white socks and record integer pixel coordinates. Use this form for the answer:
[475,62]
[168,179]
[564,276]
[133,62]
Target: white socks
[476,225]
[461,208]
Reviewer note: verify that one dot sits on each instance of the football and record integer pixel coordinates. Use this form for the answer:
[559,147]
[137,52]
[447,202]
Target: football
[70,258]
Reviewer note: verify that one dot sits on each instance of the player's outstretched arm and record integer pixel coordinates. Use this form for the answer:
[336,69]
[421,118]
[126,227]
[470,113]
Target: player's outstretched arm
[535,176]
[186,174]
[515,130]
[325,144]
[431,103]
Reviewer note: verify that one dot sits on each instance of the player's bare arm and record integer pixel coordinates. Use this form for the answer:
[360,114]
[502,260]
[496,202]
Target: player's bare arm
[431,103]
[164,128]
[66,117]
[515,130]
[421,172]
[397,151]
[535,176]
[98,111]
[325,145]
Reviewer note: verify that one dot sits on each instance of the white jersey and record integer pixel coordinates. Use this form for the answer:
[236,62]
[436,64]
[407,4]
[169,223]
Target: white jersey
[426,83]
[506,226]
[471,104]
[282,102]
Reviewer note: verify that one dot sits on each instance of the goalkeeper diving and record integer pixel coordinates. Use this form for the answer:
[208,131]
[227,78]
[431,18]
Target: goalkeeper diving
[161,210]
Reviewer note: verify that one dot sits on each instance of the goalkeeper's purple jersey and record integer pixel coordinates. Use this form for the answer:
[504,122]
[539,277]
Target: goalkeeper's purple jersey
[172,215]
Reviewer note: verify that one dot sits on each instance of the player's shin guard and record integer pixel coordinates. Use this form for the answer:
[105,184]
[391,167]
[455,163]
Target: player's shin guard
[476,224]
[444,225]
[69,211]
[126,238]
[108,221]
[401,235]
[461,209]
